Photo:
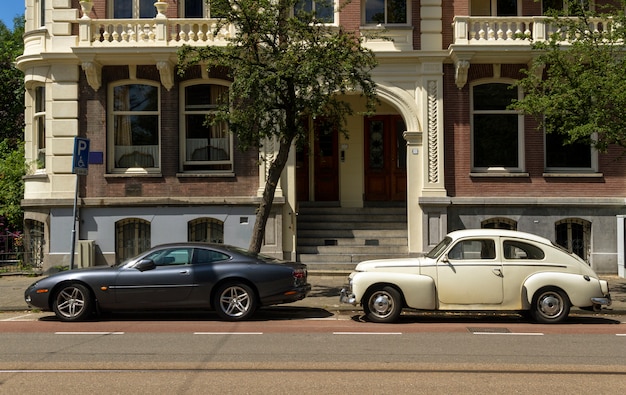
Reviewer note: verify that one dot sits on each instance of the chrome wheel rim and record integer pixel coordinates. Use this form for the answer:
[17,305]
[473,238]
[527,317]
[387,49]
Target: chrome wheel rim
[235,301]
[381,304]
[71,302]
[550,304]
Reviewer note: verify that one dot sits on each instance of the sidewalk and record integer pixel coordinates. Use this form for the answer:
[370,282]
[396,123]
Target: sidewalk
[324,294]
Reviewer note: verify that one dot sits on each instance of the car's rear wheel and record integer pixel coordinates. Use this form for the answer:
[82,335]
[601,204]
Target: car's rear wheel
[235,301]
[550,306]
[383,304]
[73,302]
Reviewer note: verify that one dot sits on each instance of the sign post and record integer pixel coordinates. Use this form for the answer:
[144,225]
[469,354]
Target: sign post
[80,166]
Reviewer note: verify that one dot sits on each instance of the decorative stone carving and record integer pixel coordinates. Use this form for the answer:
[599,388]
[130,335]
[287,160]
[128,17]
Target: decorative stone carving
[432,122]
[460,75]
[167,73]
[93,72]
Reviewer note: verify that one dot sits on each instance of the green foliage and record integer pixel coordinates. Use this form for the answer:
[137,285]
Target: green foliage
[12,83]
[283,68]
[12,171]
[575,86]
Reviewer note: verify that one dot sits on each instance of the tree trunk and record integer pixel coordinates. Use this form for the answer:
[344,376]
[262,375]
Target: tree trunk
[265,207]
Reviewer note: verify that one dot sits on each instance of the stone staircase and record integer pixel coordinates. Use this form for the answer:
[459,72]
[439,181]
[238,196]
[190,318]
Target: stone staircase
[339,238]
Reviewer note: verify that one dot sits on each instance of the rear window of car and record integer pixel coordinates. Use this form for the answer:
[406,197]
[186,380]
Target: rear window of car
[514,249]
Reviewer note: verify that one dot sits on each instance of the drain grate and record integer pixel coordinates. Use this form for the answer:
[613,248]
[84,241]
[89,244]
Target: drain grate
[488,330]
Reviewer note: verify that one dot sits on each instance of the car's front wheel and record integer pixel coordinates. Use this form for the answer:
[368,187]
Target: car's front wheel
[550,306]
[73,302]
[235,302]
[383,304]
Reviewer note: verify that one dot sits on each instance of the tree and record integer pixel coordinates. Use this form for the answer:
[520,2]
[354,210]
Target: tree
[12,83]
[12,167]
[575,87]
[286,67]
[12,170]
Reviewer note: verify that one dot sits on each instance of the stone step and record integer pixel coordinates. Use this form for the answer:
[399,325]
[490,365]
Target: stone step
[350,250]
[355,241]
[332,260]
[334,225]
[353,233]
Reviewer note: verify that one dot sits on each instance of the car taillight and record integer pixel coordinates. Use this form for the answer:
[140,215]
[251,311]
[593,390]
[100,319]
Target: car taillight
[299,274]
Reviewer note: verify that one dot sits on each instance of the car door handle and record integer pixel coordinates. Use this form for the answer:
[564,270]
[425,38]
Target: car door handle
[184,272]
[498,272]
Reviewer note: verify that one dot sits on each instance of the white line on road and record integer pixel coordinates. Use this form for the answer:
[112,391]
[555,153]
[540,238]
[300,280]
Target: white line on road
[19,318]
[228,333]
[89,333]
[367,333]
[510,333]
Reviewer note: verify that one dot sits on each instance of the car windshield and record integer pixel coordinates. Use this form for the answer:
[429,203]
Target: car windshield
[439,248]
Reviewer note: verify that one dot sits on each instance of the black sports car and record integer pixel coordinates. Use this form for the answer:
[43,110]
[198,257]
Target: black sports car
[229,280]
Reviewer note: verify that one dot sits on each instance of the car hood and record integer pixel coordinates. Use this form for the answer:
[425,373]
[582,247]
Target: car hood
[390,264]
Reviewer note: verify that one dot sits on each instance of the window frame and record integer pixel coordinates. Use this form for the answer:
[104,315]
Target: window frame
[335,13]
[365,22]
[214,230]
[143,230]
[38,92]
[183,112]
[136,9]
[520,167]
[493,9]
[112,113]
[206,10]
[592,168]
[586,234]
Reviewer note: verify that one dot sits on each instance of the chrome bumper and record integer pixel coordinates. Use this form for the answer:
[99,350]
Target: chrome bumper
[346,297]
[605,301]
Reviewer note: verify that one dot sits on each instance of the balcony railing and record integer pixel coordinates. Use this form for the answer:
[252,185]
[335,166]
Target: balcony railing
[478,30]
[146,32]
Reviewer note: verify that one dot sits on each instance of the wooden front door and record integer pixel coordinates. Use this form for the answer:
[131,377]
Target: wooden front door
[385,158]
[326,171]
[325,166]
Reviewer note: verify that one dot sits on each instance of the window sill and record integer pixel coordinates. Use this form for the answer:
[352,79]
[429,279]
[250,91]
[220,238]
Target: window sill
[573,175]
[133,175]
[39,175]
[206,175]
[499,174]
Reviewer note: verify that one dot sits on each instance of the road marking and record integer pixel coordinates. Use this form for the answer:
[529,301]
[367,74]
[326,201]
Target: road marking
[367,333]
[89,333]
[18,318]
[228,333]
[620,334]
[510,333]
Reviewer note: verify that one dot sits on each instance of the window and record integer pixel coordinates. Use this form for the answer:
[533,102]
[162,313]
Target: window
[574,235]
[171,256]
[514,249]
[499,223]
[473,249]
[381,12]
[202,255]
[135,123]
[567,157]
[34,241]
[205,147]
[39,125]
[132,9]
[132,237]
[202,8]
[205,230]
[497,141]
[566,7]
[40,13]
[493,8]
[324,9]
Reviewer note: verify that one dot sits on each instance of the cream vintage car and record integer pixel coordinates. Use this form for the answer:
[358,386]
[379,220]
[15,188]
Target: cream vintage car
[479,270]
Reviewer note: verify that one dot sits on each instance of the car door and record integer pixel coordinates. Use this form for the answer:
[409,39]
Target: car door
[471,273]
[168,283]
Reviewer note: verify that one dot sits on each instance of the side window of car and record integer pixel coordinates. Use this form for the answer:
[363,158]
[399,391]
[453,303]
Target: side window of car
[473,249]
[202,255]
[514,249]
[172,256]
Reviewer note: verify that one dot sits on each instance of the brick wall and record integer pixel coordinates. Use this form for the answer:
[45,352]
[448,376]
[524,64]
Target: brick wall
[458,153]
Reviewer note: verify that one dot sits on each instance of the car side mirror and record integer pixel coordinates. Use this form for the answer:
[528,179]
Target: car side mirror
[145,264]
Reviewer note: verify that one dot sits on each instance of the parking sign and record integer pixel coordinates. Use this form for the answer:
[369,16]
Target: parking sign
[80,162]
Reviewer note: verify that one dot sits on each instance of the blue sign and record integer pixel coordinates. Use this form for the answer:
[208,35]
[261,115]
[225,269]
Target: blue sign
[80,160]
